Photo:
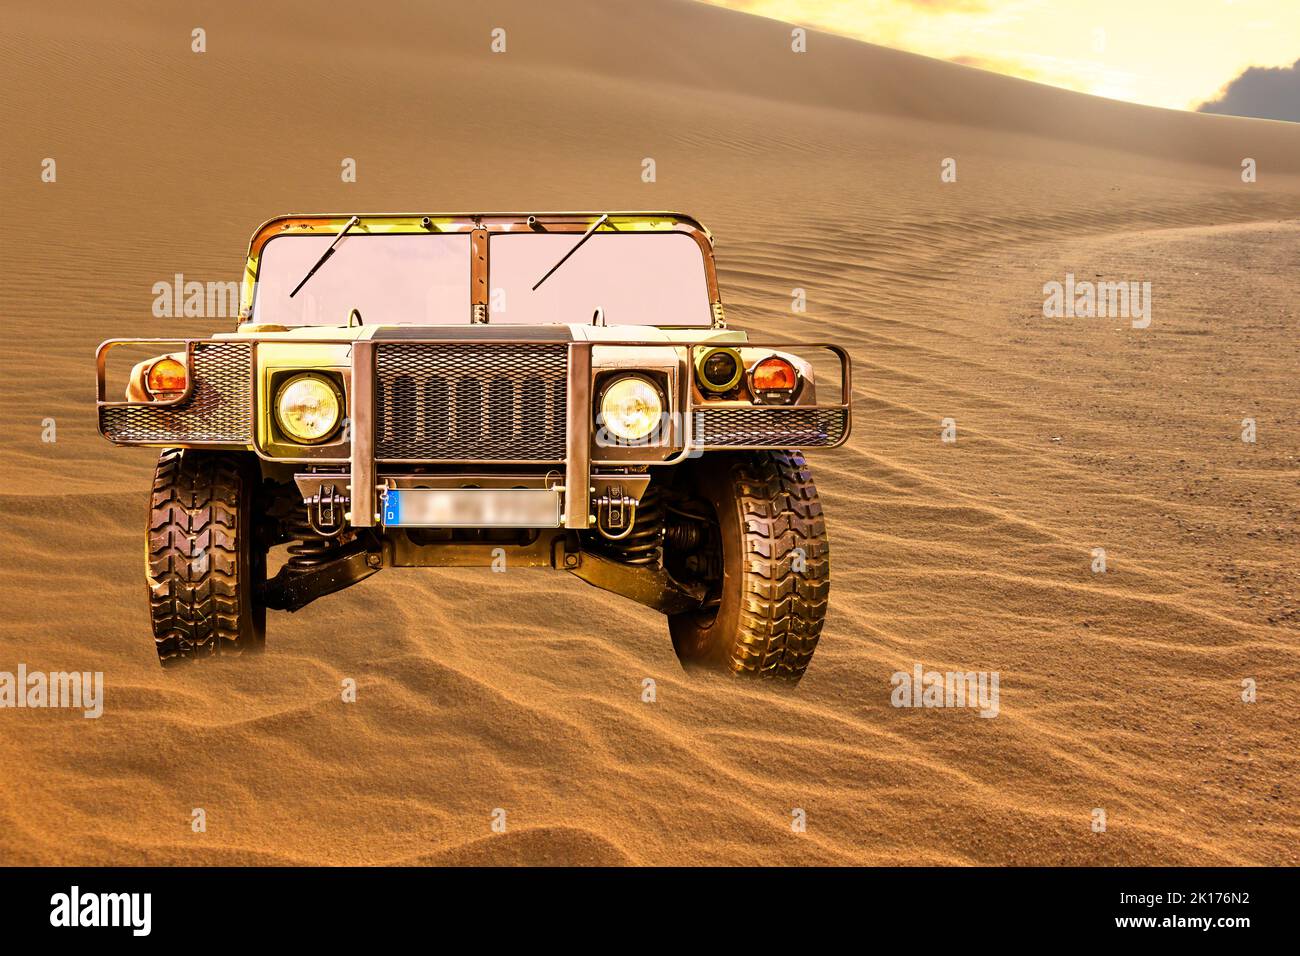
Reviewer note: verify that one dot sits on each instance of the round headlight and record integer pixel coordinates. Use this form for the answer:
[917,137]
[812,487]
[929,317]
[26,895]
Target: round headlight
[308,408]
[631,407]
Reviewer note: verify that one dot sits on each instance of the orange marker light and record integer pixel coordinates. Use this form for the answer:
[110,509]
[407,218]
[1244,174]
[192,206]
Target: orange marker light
[165,375]
[773,374]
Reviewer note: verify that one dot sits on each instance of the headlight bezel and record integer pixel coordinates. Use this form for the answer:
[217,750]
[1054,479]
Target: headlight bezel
[702,357]
[287,434]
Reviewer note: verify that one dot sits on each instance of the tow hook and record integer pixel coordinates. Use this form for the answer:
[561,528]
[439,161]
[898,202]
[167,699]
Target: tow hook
[325,511]
[615,513]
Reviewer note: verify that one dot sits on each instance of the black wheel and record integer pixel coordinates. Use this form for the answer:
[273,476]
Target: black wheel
[749,527]
[203,563]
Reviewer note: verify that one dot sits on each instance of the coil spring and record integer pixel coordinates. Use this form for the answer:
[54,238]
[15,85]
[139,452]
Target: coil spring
[311,550]
[643,542]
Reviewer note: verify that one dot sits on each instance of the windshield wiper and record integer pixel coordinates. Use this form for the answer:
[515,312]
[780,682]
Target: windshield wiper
[576,246]
[328,252]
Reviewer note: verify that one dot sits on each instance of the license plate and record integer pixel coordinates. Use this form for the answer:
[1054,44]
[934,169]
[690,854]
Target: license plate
[471,508]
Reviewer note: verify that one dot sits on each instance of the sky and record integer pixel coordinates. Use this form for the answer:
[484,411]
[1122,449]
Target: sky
[1177,54]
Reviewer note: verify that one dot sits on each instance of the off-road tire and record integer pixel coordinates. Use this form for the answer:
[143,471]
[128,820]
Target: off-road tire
[769,615]
[203,565]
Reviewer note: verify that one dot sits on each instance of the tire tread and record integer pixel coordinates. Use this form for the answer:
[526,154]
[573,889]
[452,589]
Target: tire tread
[783,609]
[192,556]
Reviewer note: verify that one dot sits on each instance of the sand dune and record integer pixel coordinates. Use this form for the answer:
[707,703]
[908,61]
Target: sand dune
[522,691]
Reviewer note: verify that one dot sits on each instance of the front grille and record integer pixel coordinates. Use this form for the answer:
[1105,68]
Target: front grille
[784,427]
[470,402]
[217,411]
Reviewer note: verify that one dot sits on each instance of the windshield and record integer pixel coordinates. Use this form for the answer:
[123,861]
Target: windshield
[635,278]
[390,279]
[416,279]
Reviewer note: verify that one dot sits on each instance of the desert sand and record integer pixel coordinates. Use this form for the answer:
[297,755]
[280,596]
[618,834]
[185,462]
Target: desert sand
[821,171]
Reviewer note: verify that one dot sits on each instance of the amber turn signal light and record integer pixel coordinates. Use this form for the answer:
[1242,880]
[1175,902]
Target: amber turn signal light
[166,378]
[774,375]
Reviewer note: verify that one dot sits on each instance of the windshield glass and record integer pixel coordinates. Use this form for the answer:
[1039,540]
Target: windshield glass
[391,279]
[636,278]
[418,279]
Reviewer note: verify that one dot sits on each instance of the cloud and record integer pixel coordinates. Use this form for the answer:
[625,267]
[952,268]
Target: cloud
[1263,92]
[815,11]
[1001,65]
[952,6]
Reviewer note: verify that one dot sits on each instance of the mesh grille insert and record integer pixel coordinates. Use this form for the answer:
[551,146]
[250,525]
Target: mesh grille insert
[791,427]
[218,409]
[466,402]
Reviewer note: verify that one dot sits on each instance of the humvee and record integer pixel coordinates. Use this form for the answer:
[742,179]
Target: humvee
[554,390]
